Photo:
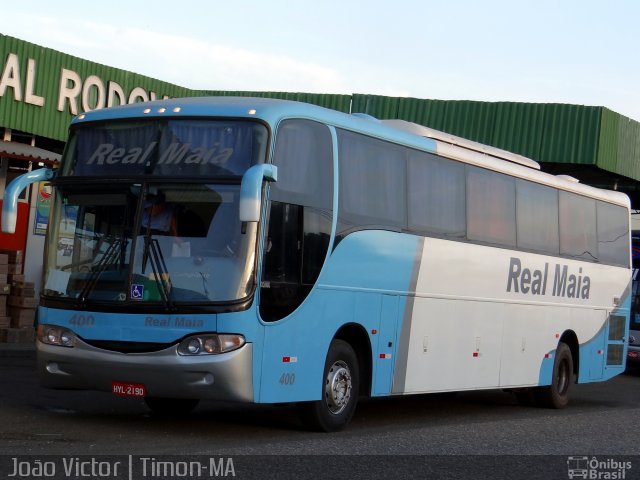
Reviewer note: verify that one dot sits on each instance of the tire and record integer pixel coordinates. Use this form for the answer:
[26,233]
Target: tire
[171,406]
[556,395]
[340,389]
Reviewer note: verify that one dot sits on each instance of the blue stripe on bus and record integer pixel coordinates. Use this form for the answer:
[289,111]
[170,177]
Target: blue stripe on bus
[128,327]
[351,290]
[351,264]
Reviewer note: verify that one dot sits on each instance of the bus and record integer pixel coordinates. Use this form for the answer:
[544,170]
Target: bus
[305,256]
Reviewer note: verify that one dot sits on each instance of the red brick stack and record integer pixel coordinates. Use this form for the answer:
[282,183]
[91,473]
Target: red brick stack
[18,297]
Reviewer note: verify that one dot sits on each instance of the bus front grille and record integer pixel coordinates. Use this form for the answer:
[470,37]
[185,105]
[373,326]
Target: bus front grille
[128,347]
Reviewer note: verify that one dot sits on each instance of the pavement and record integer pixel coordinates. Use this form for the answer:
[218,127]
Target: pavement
[17,349]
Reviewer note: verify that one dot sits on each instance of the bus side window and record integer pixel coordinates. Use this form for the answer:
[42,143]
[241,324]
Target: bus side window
[300,214]
[281,282]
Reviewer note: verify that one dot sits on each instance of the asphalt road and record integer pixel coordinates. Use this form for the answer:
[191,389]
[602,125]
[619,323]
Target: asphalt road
[602,419]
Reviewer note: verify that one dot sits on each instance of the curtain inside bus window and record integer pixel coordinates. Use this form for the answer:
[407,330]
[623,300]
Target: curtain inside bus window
[372,181]
[436,195]
[185,148]
[578,226]
[537,217]
[491,210]
[205,147]
[115,149]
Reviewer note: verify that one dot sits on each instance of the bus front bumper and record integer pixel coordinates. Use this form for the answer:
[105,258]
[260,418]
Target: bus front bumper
[165,373]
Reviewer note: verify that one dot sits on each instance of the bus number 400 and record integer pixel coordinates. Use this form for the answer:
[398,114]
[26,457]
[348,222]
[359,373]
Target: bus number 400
[82,320]
[287,379]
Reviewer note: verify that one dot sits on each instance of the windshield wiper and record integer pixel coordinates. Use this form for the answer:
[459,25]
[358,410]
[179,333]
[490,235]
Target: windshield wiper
[108,258]
[153,252]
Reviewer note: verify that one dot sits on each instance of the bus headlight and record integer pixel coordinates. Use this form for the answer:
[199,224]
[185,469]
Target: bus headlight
[210,344]
[194,346]
[53,335]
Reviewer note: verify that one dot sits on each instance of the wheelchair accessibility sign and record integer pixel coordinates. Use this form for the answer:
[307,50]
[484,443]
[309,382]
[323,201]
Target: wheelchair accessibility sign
[137,291]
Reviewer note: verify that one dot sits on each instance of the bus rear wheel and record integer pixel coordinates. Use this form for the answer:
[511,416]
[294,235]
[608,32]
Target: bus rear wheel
[171,406]
[340,389]
[556,395]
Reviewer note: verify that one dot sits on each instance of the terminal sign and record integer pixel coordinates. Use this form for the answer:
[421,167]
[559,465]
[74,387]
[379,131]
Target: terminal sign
[91,93]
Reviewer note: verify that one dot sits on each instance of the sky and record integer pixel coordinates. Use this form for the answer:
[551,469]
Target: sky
[582,52]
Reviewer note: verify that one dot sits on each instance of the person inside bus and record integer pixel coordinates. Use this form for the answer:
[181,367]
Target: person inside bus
[173,220]
[160,216]
[162,219]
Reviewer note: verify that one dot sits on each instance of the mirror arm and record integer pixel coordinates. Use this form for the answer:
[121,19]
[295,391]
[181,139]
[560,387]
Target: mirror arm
[251,190]
[13,191]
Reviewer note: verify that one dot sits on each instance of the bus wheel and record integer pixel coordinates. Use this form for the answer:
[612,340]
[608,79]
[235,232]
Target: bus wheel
[171,406]
[340,391]
[556,395]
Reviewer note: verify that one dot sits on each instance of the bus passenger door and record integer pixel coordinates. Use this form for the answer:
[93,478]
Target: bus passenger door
[384,360]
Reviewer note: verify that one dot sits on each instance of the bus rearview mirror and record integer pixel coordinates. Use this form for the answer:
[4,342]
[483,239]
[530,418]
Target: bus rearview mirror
[12,193]
[251,190]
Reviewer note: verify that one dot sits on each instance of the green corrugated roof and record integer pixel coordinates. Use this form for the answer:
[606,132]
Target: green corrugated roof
[553,133]
[619,149]
[47,121]
[544,132]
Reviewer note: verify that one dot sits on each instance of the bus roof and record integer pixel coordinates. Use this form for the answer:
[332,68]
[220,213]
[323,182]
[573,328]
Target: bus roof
[461,142]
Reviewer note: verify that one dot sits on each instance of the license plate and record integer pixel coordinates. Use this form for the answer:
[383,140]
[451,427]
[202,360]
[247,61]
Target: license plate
[128,389]
[632,354]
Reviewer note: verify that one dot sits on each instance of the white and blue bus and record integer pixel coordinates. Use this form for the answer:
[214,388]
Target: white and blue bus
[268,251]
[633,353]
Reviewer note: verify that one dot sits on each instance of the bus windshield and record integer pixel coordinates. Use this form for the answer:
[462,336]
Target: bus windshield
[149,242]
[147,211]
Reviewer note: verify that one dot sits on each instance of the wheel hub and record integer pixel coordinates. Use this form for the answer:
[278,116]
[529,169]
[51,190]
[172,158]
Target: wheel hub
[338,386]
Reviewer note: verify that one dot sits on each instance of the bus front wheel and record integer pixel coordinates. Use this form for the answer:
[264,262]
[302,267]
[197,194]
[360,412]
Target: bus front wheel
[556,395]
[340,389]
